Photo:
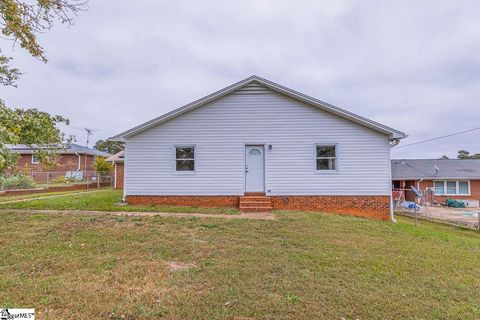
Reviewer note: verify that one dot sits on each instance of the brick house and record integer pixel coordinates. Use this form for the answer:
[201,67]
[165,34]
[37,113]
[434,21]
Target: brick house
[117,161]
[74,158]
[447,178]
[260,146]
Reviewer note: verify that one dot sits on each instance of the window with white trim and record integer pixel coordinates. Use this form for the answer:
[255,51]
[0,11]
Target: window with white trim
[451,187]
[35,159]
[185,158]
[439,187]
[326,157]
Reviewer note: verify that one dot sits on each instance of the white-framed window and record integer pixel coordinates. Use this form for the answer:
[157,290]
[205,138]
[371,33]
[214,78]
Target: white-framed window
[326,157]
[439,187]
[35,159]
[185,158]
[451,187]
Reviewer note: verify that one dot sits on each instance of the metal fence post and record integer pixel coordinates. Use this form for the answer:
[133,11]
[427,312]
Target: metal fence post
[478,217]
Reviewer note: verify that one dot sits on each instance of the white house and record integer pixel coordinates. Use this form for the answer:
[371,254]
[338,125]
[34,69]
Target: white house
[259,146]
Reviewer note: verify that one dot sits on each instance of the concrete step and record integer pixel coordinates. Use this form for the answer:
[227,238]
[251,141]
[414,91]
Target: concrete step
[256,209]
[255,203]
[254,198]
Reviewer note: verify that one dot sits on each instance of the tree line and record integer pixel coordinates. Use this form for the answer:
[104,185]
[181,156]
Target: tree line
[463,155]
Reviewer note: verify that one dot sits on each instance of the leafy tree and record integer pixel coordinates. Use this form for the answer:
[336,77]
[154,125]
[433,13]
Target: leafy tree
[110,146]
[31,127]
[102,165]
[20,22]
[444,157]
[464,154]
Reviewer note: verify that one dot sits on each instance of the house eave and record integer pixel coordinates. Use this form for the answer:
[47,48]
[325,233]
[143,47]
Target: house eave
[437,178]
[392,133]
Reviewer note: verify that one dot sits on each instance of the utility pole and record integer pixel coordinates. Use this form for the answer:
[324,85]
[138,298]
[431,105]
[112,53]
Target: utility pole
[89,133]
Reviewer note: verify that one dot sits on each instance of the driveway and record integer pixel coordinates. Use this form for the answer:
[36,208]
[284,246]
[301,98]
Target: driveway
[462,216]
[468,216]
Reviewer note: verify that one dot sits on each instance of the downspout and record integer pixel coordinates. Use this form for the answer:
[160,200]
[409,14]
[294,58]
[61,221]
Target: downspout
[393,143]
[79,161]
[418,187]
[125,153]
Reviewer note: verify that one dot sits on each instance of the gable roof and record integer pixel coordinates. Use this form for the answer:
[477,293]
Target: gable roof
[69,149]
[393,134]
[117,157]
[414,169]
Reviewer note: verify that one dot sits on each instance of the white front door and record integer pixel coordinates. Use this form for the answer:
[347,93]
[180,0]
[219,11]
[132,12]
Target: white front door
[254,169]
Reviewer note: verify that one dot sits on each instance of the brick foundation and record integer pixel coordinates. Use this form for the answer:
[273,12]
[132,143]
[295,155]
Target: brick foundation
[375,207]
[196,201]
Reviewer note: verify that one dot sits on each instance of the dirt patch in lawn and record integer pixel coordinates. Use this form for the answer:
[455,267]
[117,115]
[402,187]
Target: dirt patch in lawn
[174,266]
[252,216]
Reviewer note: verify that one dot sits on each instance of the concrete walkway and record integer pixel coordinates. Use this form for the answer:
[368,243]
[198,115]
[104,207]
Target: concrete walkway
[252,216]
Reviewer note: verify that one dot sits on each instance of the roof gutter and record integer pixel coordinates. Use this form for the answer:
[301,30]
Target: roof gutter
[394,142]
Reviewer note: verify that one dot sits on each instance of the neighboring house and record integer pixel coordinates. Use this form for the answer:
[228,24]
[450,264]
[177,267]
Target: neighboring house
[117,161]
[259,146]
[448,178]
[73,158]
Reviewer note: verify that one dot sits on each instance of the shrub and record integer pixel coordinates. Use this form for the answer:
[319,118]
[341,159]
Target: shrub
[62,179]
[20,181]
[102,165]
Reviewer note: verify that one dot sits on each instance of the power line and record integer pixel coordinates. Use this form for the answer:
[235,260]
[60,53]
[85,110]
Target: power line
[438,138]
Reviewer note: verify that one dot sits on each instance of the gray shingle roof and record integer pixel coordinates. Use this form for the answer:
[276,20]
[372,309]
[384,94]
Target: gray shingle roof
[435,169]
[72,148]
[117,157]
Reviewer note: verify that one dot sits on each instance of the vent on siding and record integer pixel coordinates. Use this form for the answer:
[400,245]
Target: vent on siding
[253,88]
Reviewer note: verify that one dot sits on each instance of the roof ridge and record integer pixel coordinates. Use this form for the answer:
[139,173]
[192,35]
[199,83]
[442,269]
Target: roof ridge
[340,112]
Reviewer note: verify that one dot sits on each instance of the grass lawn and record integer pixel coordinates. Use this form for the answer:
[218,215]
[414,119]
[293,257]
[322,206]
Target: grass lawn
[105,200]
[37,195]
[302,266]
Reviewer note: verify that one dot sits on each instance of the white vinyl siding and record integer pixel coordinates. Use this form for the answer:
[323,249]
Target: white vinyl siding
[452,187]
[255,115]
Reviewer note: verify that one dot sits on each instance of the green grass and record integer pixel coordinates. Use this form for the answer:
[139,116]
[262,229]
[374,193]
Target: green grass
[106,200]
[37,195]
[302,266]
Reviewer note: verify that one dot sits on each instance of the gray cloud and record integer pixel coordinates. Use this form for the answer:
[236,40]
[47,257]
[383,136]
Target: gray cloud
[413,65]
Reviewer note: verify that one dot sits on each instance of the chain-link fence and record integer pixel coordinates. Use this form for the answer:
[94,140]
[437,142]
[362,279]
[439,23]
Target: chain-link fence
[55,181]
[458,212]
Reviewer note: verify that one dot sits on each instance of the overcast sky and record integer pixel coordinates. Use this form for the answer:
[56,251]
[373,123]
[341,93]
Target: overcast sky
[412,65]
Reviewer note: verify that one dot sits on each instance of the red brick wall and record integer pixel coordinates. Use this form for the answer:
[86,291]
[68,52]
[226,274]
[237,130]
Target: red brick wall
[196,201]
[65,162]
[119,173]
[376,207]
[474,191]
[91,186]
